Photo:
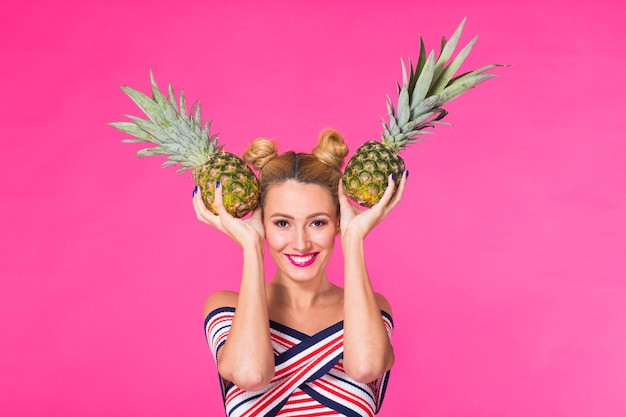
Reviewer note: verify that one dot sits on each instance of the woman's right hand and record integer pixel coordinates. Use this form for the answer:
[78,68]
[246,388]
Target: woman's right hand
[249,230]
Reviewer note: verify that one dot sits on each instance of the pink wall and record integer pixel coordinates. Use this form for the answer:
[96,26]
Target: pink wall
[504,263]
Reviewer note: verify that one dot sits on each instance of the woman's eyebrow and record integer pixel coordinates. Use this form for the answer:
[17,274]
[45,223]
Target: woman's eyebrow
[288,216]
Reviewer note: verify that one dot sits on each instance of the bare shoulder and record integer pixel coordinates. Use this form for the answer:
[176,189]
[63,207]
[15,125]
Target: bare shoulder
[383,303]
[220,299]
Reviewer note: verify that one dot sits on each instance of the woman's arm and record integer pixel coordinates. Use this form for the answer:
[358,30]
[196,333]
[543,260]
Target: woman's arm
[367,349]
[246,358]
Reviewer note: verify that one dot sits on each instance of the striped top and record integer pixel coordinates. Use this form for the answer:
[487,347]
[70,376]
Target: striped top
[309,378]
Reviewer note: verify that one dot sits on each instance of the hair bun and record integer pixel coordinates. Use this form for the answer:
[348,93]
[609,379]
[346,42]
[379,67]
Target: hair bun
[331,149]
[260,152]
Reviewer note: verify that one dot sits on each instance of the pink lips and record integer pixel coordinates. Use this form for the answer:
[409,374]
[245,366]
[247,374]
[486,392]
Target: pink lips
[302,260]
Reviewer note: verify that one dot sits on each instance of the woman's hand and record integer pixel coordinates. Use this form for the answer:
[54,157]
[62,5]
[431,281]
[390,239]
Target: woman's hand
[241,231]
[359,222]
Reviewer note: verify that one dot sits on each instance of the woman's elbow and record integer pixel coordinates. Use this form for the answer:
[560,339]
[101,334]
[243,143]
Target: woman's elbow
[248,379]
[367,371]
[253,382]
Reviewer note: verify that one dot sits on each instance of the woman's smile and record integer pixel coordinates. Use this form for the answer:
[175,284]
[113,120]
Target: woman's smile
[302,260]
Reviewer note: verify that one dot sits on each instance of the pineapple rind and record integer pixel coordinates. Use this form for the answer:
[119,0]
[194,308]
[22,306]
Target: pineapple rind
[243,188]
[366,174]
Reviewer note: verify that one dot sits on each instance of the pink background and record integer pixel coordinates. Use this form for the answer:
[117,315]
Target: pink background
[504,263]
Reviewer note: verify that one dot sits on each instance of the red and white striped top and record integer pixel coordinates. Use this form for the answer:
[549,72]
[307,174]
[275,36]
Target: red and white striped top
[309,378]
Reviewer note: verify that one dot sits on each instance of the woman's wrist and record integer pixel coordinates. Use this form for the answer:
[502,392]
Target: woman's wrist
[252,244]
[352,239]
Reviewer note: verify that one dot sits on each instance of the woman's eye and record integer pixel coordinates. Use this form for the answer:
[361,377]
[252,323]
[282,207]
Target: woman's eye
[281,223]
[319,223]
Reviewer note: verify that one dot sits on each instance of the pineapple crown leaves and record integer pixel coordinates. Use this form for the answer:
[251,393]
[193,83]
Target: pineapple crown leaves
[426,88]
[178,134]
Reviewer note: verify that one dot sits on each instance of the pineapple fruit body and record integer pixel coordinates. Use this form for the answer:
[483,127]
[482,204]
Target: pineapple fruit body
[367,173]
[239,185]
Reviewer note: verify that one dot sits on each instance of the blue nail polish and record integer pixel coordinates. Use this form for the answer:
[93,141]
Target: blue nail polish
[217,184]
[407,173]
[393,177]
[195,190]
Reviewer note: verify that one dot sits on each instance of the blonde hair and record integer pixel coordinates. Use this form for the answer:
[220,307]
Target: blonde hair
[322,166]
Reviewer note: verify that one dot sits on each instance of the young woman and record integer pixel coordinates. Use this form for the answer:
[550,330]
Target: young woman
[298,344]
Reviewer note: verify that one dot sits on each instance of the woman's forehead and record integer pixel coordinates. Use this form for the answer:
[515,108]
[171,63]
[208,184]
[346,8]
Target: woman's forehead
[298,198]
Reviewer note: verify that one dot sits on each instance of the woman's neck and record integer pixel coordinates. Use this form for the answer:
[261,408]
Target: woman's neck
[300,296]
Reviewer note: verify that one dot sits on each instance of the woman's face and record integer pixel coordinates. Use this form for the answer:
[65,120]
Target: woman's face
[300,223]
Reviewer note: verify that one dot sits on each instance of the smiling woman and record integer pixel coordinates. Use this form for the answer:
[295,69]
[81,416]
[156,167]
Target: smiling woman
[300,342]
[301,229]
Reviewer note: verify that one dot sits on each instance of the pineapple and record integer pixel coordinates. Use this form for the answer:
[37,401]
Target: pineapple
[183,139]
[420,99]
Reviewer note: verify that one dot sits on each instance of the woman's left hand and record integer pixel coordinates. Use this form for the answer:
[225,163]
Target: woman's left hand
[359,222]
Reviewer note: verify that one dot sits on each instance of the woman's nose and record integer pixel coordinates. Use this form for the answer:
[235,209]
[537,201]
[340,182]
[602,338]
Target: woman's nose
[301,240]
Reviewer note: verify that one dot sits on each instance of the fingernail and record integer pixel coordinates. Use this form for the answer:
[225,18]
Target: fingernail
[217,184]
[195,190]
[393,177]
[407,173]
